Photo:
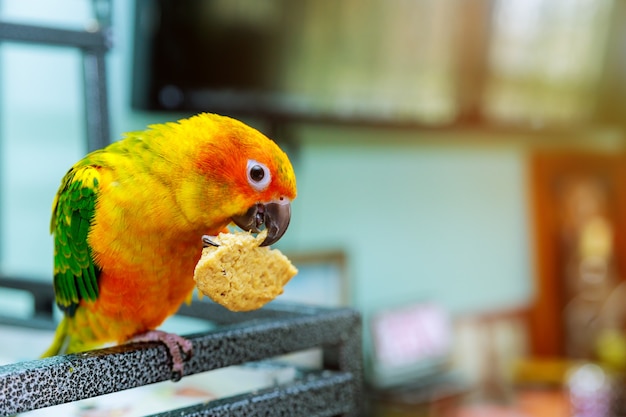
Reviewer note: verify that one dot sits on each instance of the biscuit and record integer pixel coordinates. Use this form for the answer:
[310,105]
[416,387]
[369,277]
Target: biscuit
[241,275]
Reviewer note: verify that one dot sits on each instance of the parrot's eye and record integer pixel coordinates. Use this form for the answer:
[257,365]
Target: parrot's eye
[258,175]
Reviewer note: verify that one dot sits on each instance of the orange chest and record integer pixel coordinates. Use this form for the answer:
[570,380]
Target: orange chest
[151,288]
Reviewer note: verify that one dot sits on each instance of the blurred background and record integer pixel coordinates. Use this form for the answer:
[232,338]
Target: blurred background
[460,164]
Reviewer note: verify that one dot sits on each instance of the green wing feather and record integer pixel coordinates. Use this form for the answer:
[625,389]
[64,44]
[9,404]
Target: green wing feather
[75,272]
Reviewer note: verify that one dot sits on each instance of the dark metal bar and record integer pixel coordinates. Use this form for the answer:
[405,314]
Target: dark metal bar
[17,32]
[347,356]
[37,288]
[322,394]
[37,323]
[51,381]
[43,302]
[96,103]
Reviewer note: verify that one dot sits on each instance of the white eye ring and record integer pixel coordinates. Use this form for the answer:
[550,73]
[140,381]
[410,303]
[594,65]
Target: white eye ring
[259,176]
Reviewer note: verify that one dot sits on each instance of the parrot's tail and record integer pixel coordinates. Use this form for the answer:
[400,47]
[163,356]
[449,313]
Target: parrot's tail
[60,341]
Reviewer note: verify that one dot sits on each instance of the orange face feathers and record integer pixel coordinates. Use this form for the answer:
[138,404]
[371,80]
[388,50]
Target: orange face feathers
[233,149]
[222,169]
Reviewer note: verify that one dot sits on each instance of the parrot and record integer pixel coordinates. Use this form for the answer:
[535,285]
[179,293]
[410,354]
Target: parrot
[129,221]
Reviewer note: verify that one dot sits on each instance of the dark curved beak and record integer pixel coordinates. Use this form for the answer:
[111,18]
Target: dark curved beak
[274,215]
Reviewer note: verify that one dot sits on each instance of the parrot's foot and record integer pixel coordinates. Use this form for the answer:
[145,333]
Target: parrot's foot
[208,241]
[177,346]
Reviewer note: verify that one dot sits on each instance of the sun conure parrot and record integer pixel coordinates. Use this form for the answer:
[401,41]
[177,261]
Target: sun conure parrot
[128,222]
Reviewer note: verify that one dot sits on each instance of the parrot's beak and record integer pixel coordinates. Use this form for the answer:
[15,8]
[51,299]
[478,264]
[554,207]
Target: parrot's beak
[274,215]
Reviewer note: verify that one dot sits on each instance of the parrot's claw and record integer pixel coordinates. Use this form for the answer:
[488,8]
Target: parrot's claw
[177,346]
[208,241]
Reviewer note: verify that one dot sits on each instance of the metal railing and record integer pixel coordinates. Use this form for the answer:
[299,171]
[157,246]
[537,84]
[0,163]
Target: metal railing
[238,338]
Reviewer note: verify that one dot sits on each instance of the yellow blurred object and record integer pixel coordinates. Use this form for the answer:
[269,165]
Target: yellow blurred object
[597,239]
[611,349]
[541,371]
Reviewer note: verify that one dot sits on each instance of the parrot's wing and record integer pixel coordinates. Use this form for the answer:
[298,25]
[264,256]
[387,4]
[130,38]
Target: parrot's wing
[75,272]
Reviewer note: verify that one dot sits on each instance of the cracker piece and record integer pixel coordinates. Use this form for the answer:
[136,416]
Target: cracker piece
[240,274]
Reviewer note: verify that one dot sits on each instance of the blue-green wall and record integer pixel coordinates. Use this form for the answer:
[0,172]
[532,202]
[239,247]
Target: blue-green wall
[417,220]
